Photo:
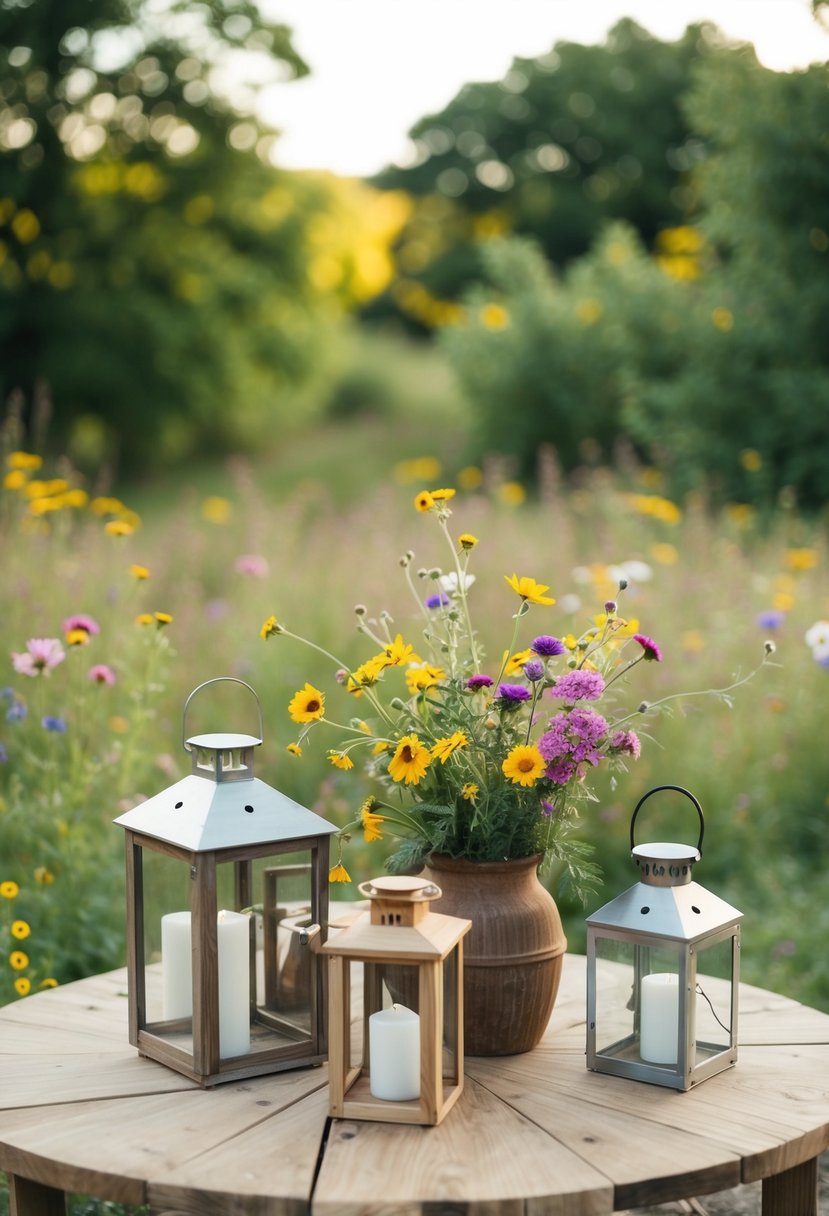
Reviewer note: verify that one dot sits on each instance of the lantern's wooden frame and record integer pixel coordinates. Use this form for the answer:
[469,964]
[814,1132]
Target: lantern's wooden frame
[398,929]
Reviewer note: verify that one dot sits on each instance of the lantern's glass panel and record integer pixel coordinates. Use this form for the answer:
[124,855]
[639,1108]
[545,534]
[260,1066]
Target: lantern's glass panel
[167,957]
[637,1000]
[715,963]
[451,1062]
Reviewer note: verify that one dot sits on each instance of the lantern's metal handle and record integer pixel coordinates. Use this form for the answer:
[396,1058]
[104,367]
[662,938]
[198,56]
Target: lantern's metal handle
[680,790]
[219,680]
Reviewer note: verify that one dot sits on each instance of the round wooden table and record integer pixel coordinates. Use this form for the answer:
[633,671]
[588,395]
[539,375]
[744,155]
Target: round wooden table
[535,1134]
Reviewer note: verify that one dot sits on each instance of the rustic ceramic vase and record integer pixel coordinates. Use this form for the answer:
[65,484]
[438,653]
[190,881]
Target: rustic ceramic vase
[513,954]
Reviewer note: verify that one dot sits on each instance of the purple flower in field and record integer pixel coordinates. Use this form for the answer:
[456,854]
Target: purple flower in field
[579,686]
[16,712]
[437,601]
[252,563]
[58,725]
[626,741]
[547,808]
[79,621]
[475,683]
[534,670]
[39,657]
[101,674]
[573,738]
[652,651]
[511,695]
[560,772]
[547,646]
[773,618]
[6,694]
[4,755]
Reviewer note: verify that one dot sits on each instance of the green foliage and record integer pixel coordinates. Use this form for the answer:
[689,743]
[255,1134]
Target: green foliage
[153,263]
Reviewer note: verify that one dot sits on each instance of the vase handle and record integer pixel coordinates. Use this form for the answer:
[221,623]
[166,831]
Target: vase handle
[680,790]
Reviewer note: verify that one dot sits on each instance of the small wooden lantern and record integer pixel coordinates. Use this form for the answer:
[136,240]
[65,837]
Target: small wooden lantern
[227,885]
[412,1031]
[663,971]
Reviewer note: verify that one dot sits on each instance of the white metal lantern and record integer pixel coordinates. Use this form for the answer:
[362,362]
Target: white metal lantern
[410,1066]
[663,971]
[227,885]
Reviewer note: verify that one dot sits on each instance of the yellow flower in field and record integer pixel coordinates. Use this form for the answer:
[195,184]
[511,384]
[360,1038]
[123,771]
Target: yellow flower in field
[444,748]
[470,478]
[340,760]
[665,554]
[751,460]
[139,572]
[366,675]
[467,541]
[49,983]
[339,873]
[270,627]
[18,960]
[20,930]
[570,641]
[15,480]
[516,661]
[801,559]
[529,589]
[741,514]
[524,765]
[9,889]
[512,493]
[722,319]
[22,986]
[494,317]
[783,601]
[410,761]
[307,705]
[371,821]
[424,501]
[162,618]
[118,527]
[43,876]
[363,726]
[77,637]
[216,510]
[294,749]
[144,618]
[442,495]
[27,461]
[398,652]
[470,791]
[418,679]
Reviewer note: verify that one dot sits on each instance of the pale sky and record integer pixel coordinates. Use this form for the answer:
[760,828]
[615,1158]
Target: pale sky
[377,66]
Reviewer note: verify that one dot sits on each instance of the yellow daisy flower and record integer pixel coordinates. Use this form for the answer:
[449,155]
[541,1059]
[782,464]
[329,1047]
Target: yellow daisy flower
[18,961]
[144,618]
[529,589]
[524,765]
[139,572]
[371,822]
[470,791]
[270,627]
[467,541]
[410,761]
[444,748]
[339,873]
[340,760]
[424,501]
[420,678]
[307,705]
[49,983]
[9,889]
[44,876]
[443,495]
[398,652]
[516,661]
[294,749]
[118,527]
[20,930]
[162,618]
[22,986]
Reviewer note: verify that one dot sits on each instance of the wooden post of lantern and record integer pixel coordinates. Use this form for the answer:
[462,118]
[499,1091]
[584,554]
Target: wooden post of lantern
[411,1069]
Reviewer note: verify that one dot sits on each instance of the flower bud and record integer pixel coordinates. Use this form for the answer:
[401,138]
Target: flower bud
[360,609]
[434,574]
[610,607]
[396,703]
[644,707]
[423,572]
[769,646]
[622,584]
[490,724]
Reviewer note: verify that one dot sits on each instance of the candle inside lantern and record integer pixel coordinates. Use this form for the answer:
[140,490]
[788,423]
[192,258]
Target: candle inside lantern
[394,1051]
[659,1023]
[232,933]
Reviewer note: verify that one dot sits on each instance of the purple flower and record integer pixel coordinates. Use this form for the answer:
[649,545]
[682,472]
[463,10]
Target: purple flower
[534,669]
[80,620]
[40,656]
[547,646]
[52,723]
[573,738]
[511,695]
[652,651]
[560,772]
[579,686]
[771,619]
[439,600]
[474,683]
[626,741]
[6,694]
[4,755]
[16,712]
[547,808]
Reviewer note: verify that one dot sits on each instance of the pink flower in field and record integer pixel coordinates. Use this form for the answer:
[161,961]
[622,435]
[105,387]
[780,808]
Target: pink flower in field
[80,621]
[40,656]
[252,563]
[101,674]
[649,646]
[579,686]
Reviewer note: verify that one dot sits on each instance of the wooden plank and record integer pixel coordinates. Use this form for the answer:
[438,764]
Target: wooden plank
[47,1080]
[28,1198]
[484,1158]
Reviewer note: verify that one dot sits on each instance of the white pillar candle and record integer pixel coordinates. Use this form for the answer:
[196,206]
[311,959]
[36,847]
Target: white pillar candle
[176,966]
[234,976]
[659,1020]
[394,1054]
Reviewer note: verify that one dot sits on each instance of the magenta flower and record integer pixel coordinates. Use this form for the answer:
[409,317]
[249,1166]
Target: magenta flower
[511,695]
[474,683]
[579,686]
[101,674]
[574,738]
[80,620]
[652,651]
[40,656]
[547,646]
[626,741]
[534,669]
[252,563]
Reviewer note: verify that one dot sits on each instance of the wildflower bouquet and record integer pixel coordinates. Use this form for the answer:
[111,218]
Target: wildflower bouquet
[485,761]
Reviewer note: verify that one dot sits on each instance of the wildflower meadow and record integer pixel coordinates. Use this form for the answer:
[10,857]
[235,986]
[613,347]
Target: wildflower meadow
[115,610]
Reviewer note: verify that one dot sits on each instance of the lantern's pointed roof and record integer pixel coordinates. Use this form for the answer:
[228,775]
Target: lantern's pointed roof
[682,913]
[432,938]
[199,814]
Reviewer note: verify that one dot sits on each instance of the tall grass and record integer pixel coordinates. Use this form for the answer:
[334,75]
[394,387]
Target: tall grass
[758,766]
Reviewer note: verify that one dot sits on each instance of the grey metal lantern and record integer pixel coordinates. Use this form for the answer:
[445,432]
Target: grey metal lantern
[663,971]
[227,885]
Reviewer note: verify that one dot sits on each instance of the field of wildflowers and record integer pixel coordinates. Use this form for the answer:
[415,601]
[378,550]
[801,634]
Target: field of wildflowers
[112,614]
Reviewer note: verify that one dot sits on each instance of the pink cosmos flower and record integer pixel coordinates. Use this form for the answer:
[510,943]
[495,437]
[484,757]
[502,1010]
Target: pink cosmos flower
[252,563]
[80,620]
[101,674]
[40,656]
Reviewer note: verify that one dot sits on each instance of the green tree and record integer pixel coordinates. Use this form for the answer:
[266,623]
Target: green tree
[153,277]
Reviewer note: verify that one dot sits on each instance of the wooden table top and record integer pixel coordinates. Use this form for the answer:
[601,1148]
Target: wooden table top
[537,1133]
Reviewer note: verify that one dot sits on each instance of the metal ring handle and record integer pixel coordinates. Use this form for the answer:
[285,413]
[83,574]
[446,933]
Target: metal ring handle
[219,680]
[680,790]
